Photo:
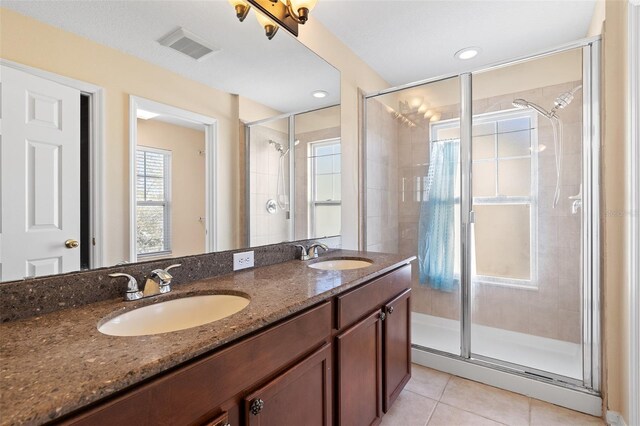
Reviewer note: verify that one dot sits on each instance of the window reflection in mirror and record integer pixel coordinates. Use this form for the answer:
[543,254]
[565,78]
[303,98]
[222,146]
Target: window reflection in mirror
[124,211]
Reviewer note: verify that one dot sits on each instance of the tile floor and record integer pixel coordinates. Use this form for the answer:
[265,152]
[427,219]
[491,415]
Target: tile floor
[435,398]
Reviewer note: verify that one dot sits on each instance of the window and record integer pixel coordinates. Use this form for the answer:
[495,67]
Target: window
[324,194]
[504,187]
[153,206]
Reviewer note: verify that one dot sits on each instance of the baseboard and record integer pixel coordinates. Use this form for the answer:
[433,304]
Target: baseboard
[615,419]
[565,397]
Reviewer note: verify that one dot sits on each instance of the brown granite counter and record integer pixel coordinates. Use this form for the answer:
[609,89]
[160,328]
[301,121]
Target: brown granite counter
[53,364]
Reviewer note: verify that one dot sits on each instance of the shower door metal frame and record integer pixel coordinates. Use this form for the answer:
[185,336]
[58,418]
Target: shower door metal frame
[591,322]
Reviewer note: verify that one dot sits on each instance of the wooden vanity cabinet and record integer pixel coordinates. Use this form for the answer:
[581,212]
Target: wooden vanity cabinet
[341,362]
[396,341]
[373,355]
[359,355]
[300,396]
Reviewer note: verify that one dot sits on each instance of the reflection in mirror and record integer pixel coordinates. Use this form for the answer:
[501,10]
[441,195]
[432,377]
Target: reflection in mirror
[114,183]
[172,149]
[312,174]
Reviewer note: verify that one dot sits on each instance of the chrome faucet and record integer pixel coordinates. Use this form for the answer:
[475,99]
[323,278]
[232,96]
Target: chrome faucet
[312,251]
[158,282]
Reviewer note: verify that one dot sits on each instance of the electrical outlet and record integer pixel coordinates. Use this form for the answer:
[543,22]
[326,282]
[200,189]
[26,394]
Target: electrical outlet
[242,260]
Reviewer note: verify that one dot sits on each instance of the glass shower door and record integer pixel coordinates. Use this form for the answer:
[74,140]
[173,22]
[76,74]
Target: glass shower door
[413,200]
[526,303]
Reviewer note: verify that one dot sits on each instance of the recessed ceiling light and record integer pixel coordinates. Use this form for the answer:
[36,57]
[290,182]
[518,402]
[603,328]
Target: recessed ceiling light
[146,115]
[320,94]
[467,53]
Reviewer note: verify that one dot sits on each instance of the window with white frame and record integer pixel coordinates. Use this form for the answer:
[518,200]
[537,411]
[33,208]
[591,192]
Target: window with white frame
[324,188]
[153,201]
[504,187]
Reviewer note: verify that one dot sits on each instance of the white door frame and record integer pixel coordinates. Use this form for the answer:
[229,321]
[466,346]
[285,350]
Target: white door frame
[211,132]
[96,144]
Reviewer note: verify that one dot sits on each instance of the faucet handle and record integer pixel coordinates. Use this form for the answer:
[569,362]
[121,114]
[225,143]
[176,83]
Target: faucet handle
[304,255]
[133,292]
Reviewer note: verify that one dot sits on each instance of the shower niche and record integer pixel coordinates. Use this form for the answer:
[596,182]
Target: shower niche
[490,179]
[294,177]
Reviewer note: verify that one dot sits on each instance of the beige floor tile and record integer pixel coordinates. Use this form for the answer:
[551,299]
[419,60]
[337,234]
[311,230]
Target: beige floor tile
[427,382]
[545,414]
[445,415]
[409,409]
[487,401]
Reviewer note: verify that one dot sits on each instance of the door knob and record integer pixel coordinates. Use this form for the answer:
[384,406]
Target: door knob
[71,244]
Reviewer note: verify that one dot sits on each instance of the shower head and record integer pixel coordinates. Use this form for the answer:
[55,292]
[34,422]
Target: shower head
[565,98]
[521,103]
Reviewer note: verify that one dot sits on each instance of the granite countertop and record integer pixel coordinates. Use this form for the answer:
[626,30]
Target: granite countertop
[53,364]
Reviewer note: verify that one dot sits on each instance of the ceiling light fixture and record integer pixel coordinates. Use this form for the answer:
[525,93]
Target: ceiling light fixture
[467,53]
[320,94]
[281,13]
[270,29]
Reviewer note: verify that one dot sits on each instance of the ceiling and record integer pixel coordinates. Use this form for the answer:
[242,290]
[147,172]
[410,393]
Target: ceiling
[408,41]
[279,73]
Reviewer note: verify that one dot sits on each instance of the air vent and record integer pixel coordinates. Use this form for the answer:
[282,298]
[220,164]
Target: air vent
[188,44]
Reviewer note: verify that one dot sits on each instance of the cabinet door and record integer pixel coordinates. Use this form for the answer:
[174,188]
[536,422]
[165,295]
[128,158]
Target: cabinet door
[396,347]
[299,396]
[359,359]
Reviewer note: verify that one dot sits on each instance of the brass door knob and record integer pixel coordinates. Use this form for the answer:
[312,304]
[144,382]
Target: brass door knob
[71,244]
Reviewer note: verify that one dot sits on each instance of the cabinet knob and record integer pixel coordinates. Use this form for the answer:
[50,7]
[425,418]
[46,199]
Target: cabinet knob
[383,316]
[256,406]
[390,310]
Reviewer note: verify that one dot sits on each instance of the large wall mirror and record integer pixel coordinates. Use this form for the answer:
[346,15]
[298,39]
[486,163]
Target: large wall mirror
[143,130]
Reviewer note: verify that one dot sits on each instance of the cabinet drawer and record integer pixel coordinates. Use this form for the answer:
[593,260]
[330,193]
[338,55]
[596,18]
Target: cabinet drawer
[359,302]
[191,394]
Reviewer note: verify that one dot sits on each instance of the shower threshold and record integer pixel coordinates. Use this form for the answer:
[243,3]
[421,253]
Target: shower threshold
[539,353]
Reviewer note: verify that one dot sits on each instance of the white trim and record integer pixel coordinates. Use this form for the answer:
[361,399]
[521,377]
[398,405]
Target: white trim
[211,132]
[634,214]
[613,418]
[569,398]
[97,122]
[532,201]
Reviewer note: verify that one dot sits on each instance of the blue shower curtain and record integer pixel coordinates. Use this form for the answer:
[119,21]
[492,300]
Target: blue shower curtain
[436,227]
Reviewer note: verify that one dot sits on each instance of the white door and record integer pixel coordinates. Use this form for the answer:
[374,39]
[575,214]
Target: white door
[40,176]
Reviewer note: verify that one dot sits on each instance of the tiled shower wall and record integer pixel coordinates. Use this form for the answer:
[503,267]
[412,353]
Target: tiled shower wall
[266,228]
[382,179]
[552,310]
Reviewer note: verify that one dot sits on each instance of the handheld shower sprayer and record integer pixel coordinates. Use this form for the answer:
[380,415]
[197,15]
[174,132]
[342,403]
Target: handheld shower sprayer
[561,102]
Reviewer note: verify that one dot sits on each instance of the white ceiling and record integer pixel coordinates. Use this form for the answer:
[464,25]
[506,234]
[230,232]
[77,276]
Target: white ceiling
[280,73]
[407,41]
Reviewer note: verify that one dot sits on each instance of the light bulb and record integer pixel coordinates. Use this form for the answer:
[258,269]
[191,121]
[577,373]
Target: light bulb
[306,4]
[428,113]
[270,28]
[423,108]
[436,117]
[416,102]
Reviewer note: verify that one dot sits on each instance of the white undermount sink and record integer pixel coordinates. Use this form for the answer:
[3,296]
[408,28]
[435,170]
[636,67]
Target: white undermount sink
[173,315]
[341,264]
